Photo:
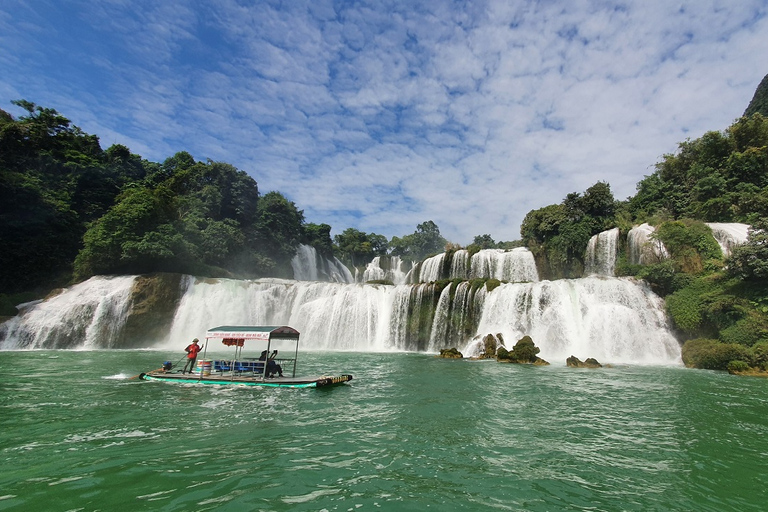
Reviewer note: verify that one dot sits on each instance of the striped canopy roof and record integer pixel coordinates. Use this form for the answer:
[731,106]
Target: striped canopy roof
[253,332]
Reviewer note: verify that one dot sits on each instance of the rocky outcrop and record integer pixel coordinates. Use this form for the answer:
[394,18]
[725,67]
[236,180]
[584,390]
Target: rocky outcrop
[524,352]
[450,353]
[490,345]
[575,362]
[154,299]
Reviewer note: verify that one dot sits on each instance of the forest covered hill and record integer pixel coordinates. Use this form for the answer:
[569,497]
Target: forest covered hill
[70,210]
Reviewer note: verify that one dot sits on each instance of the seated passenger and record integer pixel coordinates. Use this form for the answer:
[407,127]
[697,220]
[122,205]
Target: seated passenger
[272,366]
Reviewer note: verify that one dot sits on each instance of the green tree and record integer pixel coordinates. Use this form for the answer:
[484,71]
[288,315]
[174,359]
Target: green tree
[279,229]
[558,234]
[319,237]
[759,103]
[484,242]
[749,261]
[425,241]
[358,247]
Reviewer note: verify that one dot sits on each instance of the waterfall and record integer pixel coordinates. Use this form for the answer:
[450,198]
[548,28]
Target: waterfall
[611,319]
[460,264]
[601,253]
[430,269]
[455,317]
[376,271]
[308,265]
[729,235]
[642,249]
[88,315]
[516,265]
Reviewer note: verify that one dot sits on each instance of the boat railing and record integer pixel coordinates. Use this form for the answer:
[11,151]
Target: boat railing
[247,365]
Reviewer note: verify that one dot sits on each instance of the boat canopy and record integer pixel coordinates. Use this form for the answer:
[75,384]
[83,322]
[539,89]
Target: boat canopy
[253,332]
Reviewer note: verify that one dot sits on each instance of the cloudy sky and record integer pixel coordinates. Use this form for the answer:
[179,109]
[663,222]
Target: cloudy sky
[381,115]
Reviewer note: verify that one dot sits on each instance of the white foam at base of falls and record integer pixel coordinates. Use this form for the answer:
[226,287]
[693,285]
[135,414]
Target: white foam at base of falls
[86,315]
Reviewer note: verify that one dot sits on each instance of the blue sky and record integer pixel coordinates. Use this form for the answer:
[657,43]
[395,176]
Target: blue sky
[381,115]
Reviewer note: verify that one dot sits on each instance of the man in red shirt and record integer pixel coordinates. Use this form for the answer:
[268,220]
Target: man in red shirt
[192,350]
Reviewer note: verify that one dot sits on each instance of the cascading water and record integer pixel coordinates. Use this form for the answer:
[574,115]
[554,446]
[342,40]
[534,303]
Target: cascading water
[610,319]
[460,264]
[456,316]
[729,235]
[394,273]
[642,249]
[308,265]
[430,269]
[88,315]
[614,320]
[516,265]
[601,253]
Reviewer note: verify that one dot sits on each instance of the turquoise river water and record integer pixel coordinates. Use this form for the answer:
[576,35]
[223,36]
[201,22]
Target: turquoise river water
[411,432]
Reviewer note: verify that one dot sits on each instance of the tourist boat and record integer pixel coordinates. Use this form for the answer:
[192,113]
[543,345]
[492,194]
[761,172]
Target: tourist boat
[247,371]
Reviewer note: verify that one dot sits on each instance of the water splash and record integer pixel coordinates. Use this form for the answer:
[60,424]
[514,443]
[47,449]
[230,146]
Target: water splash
[88,315]
[610,319]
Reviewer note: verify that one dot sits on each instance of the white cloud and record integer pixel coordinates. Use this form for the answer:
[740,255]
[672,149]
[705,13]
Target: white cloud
[384,115]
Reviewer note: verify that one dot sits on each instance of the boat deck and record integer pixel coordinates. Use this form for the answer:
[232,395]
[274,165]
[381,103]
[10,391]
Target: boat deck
[246,380]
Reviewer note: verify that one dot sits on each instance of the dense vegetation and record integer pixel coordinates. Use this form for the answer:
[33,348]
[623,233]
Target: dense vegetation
[70,210]
[558,234]
[759,103]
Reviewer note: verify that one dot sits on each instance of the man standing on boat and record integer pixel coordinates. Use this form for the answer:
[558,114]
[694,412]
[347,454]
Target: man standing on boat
[192,351]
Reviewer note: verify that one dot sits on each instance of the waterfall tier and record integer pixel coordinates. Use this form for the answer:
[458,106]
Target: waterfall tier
[611,319]
[378,270]
[729,235]
[601,253]
[308,265]
[516,266]
[642,249]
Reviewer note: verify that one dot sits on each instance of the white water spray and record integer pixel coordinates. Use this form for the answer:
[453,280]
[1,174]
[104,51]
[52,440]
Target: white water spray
[395,273]
[87,315]
[610,319]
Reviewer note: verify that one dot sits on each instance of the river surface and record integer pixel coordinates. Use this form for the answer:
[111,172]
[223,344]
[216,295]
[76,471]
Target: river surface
[410,432]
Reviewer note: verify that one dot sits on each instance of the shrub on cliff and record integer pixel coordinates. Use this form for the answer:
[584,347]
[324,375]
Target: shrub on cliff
[710,354]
